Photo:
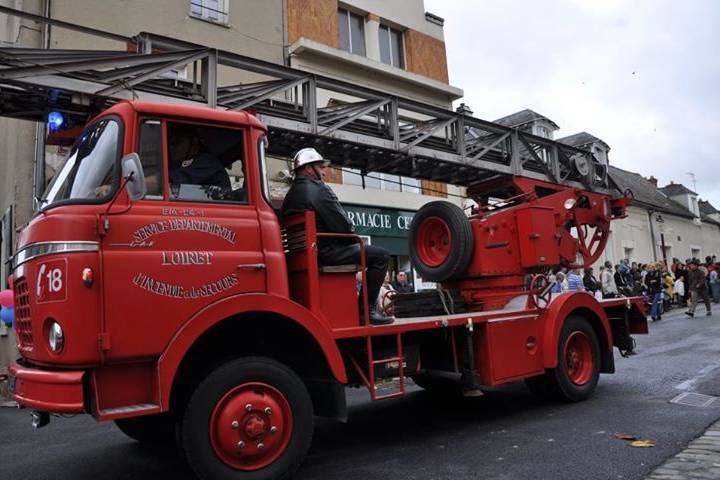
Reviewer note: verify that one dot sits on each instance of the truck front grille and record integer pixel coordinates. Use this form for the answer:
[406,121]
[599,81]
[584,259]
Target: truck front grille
[23,323]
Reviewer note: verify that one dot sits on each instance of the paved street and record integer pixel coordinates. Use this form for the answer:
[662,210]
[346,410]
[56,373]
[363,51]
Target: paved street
[508,434]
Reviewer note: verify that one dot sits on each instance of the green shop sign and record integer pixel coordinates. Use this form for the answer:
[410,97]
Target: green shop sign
[382,222]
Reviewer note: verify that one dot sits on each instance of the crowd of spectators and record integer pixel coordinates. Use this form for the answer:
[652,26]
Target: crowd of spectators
[682,284]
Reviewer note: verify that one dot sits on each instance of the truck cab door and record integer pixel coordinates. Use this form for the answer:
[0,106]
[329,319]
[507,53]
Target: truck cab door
[193,240]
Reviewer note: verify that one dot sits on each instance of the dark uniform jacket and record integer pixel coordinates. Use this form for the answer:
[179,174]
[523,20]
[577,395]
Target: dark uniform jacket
[590,284]
[307,194]
[653,282]
[203,169]
[696,280]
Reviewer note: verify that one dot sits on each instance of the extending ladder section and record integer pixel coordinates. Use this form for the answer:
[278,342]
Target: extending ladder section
[369,130]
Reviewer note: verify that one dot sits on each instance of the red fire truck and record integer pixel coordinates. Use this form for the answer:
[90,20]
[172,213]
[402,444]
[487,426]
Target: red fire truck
[193,313]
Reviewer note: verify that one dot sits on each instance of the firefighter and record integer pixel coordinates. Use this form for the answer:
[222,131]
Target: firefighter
[190,161]
[309,192]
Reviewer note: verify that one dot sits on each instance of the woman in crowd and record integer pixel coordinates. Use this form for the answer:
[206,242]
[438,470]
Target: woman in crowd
[653,282]
[560,284]
[589,282]
[668,284]
[575,281]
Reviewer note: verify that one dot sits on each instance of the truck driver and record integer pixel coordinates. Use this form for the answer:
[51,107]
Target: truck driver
[191,163]
[309,192]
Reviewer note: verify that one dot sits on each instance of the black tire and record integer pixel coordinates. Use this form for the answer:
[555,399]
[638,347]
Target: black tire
[150,429]
[461,244]
[437,385]
[195,426]
[556,383]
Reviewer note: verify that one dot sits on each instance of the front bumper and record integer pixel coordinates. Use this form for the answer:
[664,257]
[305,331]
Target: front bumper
[48,390]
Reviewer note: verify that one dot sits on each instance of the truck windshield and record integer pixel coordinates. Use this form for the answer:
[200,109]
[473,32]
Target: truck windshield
[89,171]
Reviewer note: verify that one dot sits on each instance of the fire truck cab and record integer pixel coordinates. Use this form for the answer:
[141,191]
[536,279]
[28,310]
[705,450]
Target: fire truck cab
[158,288]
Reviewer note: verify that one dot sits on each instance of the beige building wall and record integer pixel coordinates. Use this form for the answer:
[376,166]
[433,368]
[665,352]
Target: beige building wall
[684,238]
[630,238]
[254,28]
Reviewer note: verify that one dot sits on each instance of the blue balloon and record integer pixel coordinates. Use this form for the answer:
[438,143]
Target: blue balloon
[7,315]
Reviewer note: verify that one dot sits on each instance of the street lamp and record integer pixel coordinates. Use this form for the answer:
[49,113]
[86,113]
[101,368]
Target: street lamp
[659,219]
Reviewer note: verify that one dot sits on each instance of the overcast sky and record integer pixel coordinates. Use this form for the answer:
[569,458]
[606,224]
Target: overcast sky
[643,75]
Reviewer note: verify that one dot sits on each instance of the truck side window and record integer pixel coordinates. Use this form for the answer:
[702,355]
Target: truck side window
[150,152]
[206,164]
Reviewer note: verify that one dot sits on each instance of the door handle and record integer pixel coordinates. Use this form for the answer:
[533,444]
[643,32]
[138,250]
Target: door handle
[252,266]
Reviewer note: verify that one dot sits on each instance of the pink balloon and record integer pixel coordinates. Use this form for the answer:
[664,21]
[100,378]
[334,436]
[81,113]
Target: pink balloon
[6,298]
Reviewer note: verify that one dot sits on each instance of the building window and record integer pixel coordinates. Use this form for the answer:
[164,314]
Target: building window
[150,149]
[391,47]
[410,185]
[352,176]
[543,132]
[352,32]
[694,206]
[211,10]
[382,181]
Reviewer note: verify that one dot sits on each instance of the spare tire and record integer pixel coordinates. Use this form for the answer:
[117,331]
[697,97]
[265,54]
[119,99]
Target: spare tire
[440,242]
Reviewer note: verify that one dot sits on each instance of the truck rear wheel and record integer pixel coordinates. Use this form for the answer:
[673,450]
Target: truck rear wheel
[251,418]
[578,370]
[440,241]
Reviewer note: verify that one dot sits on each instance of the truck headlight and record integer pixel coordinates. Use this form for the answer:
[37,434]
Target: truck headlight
[56,337]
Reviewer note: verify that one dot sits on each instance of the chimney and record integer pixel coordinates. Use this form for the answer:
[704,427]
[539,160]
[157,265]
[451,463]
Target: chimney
[652,180]
[464,110]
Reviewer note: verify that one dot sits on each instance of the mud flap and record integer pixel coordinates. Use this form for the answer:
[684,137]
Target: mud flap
[328,398]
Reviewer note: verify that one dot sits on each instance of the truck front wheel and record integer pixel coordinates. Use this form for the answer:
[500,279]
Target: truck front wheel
[251,418]
[578,369]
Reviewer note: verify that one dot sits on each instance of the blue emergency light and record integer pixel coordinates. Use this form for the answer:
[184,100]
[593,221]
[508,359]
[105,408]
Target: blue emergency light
[55,121]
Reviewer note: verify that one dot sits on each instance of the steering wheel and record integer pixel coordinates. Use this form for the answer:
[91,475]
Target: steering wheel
[540,291]
[388,304]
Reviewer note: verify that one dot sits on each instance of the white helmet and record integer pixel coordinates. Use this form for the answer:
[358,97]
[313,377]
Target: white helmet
[307,156]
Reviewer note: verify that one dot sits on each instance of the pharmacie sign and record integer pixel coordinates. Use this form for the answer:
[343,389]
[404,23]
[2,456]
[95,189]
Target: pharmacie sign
[379,221]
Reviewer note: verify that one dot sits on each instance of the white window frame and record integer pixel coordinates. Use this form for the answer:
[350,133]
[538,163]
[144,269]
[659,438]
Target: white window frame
[390,46]
[349,14]
[222,11]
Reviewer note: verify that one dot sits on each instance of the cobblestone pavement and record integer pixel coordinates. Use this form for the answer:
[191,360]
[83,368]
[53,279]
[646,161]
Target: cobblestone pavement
[701,459]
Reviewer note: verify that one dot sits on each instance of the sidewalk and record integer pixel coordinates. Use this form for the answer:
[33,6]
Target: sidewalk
[700,459]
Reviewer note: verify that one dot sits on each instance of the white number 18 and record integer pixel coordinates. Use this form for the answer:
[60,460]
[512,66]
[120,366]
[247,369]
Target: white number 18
[54,278]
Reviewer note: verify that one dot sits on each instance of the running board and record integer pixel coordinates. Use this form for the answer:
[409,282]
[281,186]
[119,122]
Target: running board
[129,411]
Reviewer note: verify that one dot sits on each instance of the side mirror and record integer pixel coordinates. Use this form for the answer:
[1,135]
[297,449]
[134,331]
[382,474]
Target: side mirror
[132,170]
